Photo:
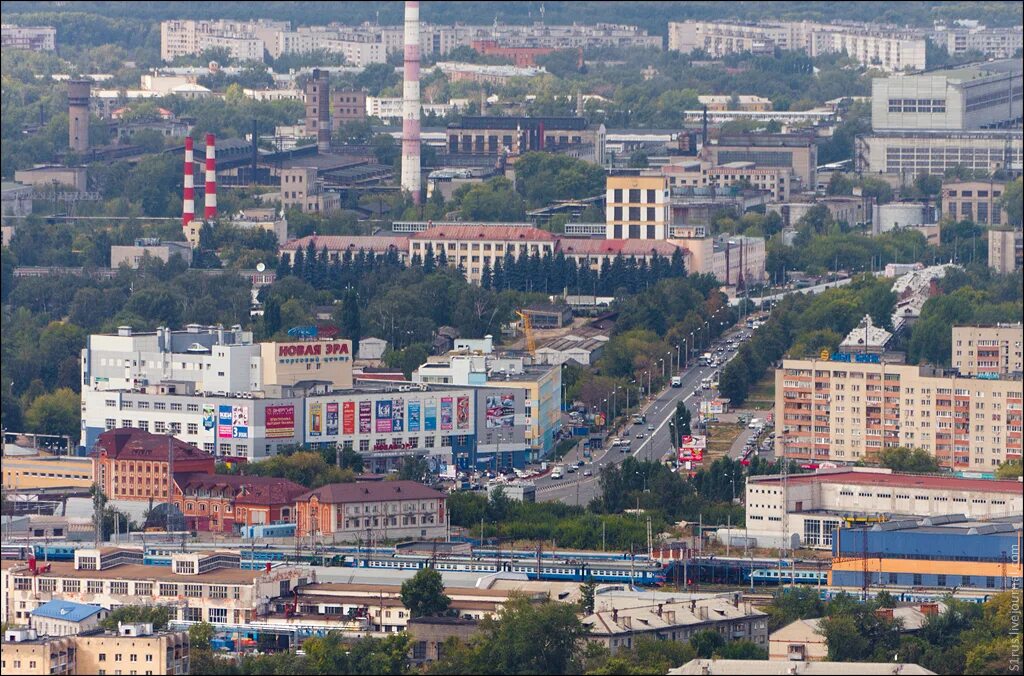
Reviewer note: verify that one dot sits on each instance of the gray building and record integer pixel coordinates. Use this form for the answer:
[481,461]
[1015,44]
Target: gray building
[133,255]
[17,200]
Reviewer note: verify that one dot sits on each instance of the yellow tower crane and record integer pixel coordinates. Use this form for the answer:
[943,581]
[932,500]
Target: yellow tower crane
[531,342]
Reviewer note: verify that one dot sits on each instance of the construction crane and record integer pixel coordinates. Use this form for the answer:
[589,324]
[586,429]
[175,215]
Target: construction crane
[531,342]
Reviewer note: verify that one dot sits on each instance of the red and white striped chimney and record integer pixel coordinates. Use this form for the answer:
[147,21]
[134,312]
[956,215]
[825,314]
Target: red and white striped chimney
[210,212]
[411,176]
[188,205]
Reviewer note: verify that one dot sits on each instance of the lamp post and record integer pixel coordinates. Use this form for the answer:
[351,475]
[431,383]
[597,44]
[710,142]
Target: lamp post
[669,355]
[662,362]
[679,363]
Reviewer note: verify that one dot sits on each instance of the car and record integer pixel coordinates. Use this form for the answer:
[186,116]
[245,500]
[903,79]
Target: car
[625,433]
[639,435]
[571,469]
[650,428]
[581,462]
[587,472]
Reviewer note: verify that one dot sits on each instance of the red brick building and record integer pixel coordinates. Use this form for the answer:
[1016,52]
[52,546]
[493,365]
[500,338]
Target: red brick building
[522,57]
[225,503]
[130,464]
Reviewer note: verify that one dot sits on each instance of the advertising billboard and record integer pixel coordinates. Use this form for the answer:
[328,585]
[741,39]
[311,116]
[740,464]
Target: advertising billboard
[316,419]
[348,417]
[398,415]
[239,422]
[501,410]
[414,416]
[462,413]
[430,416]
[279,421]
[383,415]
[331,422]
[365,417]
[209,417]
[446,413]
[691,448]
[224,421]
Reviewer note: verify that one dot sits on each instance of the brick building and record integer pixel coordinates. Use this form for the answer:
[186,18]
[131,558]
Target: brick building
[225,503]
[383,509]
[130,464]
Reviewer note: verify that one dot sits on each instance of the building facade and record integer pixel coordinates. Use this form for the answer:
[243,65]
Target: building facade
[130,464]
[796,152]
[636,207]
[35,38]
[355,511]
[910,153]
[989,349]
[977,201]
[474,246]
[132,256]
[849,411]
[1005,250]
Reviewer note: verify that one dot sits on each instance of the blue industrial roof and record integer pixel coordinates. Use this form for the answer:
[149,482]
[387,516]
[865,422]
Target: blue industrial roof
[66,610]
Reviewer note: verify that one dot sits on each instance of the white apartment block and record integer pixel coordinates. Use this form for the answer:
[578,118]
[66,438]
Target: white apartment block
[810,507]
[877,46]
[849,411]
[991,350]
[246,41]
[36,38]
[997,43]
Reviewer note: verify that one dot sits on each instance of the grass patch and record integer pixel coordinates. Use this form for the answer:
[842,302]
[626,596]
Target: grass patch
[721,437]
[762,394]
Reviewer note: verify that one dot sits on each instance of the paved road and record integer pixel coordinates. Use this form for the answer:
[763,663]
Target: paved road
[579,489]
[779,296]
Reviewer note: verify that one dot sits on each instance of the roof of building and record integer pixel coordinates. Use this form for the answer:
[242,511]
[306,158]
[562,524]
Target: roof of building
[258,490]
[895,480]
[614,247]
[129,443]
[485,231]
[569,344]
[798,630]
[866,334]
[66,610]
[654,617]
[377,491]
[559,308]
[137,571]
[351,242]
[767,668]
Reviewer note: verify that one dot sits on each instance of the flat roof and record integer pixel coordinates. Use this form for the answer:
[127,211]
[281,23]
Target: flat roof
[131,571]
[900,481]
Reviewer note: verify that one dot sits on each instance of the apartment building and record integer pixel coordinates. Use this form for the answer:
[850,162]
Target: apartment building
[201,586]
[348,512]
[245,41]
[994,43]
[847,411]
[474,246]
[636,206]
[24,652]
[152,247]
[978,96]
[35,38]
[777,181]
[1005,250]
[994,349]
[978,201]
[805,510]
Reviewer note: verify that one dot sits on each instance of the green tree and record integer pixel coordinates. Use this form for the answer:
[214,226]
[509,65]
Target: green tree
[58,412]
[1012,200]
[423,594]
[587,591]
[200,635]
[706,643]
[904,459]
[1011,469]
[159,616]
[788,605]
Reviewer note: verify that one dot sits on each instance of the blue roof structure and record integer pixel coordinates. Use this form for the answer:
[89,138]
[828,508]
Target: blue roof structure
[66,610]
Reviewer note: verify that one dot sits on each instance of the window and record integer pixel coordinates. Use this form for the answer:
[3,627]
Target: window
[94,587]
[218,614]
[917,579]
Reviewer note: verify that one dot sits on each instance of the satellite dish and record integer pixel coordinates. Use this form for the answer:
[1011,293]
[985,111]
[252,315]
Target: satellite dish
[260,267]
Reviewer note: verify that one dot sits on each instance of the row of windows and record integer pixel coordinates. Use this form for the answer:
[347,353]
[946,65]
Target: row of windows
[917,105]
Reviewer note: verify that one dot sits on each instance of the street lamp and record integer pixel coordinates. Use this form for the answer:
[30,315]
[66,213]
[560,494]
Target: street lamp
[662,362]
[679,363]
[669,355]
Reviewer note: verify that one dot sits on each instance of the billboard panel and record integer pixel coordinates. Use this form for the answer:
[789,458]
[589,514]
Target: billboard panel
[446,413]
[383,415]
[365,417]
[414,416]
[430,416]
[501,410]
[316,419]
[279,421]
[462,413]
[224,421]
[209,417]
[398,415]
[240,422]
[332,419]
[348,417]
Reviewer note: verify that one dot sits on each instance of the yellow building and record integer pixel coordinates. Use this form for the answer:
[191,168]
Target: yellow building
[637,206]
[290,363]
[134,649]
[46,471]
[24,653]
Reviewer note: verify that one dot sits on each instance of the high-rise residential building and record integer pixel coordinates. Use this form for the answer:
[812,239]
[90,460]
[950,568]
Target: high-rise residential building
[1005,250]
[847,411]
[991,350]
[244,40]
[979,96]
[994,43]
[36,38]
[637,206]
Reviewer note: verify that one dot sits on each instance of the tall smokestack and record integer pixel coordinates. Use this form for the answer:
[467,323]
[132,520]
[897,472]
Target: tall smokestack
[210,212]
[188,205]
[411,103]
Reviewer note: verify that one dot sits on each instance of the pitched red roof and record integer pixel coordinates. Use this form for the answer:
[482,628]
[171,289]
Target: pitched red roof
[486,231]
[130,443]
[354,243]
[258,490]
[371,491]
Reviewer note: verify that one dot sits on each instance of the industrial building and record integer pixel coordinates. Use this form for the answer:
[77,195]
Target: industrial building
[910,153]
[804,510]
[945,551]
[977,201]
[796,152]
[491,135]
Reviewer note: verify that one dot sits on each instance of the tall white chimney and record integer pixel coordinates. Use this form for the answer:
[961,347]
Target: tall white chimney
[411,103]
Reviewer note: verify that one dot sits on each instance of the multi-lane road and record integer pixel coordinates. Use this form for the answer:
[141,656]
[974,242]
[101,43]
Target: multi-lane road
[577,488]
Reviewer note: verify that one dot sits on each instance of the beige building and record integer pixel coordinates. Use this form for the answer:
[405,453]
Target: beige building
[978,201]
[838,410]
[988,349]
[44,177]
[474,245]
[302,190]
[46,471]
[265,218]
[731,259]
[637,206]
[134,649]
[206,586]
[1005,250]
[132,256]
[849,208]
[798,641]
[776,180]
[796,152]
[290,363]
[746,102]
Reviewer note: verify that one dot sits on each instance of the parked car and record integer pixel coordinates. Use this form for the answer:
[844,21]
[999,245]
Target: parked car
[587,472]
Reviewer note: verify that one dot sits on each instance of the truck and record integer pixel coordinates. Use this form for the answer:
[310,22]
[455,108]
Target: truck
[639,418]
[677,381]
[557,473]
[706,358]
